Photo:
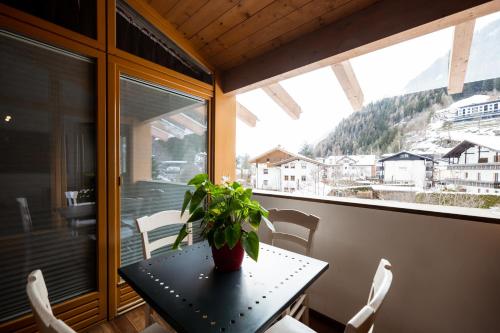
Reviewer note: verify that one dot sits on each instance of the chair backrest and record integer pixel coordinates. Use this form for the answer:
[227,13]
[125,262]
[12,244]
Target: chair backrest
[363,321]
[39,300]
[296,217]
[146,224]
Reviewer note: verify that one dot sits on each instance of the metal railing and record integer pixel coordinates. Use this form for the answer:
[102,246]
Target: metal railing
[463,182]
[475,166]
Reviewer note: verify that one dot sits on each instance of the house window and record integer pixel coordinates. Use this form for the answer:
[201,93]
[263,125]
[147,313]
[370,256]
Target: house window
[466,175]
[266,182]
[495,178]
[478,176]
[286,177]
[266,171]
[292,166]
[304,165]
[303,178]
[292,177]
[286,166]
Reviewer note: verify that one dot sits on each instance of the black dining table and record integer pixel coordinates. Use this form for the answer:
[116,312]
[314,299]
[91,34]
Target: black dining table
[185,289]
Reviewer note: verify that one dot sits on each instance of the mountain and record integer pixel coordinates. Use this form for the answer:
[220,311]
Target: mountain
[383,126]
[484,62]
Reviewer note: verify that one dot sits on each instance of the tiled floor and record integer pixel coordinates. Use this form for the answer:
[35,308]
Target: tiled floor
[134,322]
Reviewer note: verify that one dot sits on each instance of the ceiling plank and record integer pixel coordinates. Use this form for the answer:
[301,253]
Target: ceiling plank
[349,83]
[315,13]
[380,25]
[228,20]
[183,10]
[459,57]
[283,99]
[246,115]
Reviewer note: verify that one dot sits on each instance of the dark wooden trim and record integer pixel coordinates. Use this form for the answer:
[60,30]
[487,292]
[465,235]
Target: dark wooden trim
[379,25]
[332,323]
[375,206]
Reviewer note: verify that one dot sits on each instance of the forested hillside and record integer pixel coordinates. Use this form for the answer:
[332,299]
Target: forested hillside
[380,126]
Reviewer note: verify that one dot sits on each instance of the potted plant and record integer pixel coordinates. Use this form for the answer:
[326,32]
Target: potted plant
[229,220]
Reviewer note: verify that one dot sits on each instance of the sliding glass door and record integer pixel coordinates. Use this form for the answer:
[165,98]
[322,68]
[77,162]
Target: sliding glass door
[48,173]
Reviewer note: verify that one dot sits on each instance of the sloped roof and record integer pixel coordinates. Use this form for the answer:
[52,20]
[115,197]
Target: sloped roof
[358,159]
[299,157]
[269,152]
[422,157]
[486,141]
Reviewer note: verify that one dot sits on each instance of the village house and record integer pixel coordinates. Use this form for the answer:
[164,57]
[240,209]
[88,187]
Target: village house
[281,170]
[405,168]
[352,167]
[474,165]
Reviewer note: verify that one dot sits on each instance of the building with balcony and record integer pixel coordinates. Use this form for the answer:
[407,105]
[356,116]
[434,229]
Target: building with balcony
[486,110]
[281,170]
[351,167]
[474,165]
[405,168]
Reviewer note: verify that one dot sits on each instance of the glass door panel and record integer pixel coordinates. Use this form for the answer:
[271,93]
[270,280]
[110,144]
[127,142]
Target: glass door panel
[48,167]
[163,144]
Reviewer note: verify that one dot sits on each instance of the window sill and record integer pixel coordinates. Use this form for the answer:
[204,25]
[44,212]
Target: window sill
[459,213]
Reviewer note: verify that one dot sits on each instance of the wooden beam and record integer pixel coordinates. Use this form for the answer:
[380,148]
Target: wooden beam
[382,24]
[189,123]
[459,57]
[224,159]
[246,116]
[283,99]
[349,83]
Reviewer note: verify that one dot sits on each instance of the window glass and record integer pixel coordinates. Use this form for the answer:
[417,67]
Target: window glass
[163,144]
[77,15]
[47,171]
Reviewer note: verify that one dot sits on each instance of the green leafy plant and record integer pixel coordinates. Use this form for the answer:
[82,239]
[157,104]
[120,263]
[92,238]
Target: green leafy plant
[227,213]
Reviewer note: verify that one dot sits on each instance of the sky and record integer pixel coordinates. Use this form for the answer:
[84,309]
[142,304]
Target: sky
[323,101]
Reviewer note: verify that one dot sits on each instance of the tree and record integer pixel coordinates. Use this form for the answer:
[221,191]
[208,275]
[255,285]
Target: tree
[307,150]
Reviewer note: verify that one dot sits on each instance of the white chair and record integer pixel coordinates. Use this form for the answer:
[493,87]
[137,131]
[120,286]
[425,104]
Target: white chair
[147,224]
[45,319]
[363,321]
[300,308]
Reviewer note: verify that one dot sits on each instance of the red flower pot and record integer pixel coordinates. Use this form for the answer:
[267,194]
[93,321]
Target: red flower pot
[226,259]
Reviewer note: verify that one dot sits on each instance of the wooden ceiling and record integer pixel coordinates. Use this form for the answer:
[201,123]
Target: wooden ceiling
[230,32]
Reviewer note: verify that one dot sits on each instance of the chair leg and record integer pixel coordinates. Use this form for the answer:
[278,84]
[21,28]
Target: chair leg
[305,315]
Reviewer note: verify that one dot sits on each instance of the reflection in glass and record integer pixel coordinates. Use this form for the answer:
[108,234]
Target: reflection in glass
[47,171]
[163,144]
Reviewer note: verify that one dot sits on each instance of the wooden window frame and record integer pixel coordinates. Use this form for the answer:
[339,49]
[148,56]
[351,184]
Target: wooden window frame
[90,308]
[162,25]
[99,43]
[121,297]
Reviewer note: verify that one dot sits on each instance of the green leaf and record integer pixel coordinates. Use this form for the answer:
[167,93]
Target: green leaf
[187,197]
[197,198]
[248,193]
[255,217]
[198,179]
[182,234]
[233,233]
[235,185]
[219,238]
[251,244]
[198,214]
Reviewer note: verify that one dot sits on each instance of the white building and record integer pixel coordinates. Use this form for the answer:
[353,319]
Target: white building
[281,170]
[479,110]
[405,168]
[474,165]
[352,167]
